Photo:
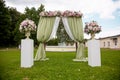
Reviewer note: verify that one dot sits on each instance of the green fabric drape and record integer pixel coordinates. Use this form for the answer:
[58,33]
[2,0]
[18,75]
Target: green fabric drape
[44,31]
[76,27]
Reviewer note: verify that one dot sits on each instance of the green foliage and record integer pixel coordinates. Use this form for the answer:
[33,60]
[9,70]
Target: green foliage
[10,17]
[53,42]
[10,22]
[15,16]
[17,35]
[33,14]
[30,13]
[62,34]
[59,67]
[4,24]
[41,8]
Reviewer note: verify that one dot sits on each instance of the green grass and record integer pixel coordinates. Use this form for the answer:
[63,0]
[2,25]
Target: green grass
[60,67]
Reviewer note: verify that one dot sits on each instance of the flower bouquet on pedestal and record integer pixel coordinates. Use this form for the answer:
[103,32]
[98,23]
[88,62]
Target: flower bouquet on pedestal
[92,28]
[26,26]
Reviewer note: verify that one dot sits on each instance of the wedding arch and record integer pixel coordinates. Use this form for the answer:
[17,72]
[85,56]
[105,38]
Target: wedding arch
[48,25]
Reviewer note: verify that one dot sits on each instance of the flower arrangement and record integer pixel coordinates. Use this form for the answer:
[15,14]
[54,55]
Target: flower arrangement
[27,25]
[66,13]
[50,13]
[92,28]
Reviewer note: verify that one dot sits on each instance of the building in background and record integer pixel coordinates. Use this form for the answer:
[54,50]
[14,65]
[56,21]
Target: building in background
[110,42]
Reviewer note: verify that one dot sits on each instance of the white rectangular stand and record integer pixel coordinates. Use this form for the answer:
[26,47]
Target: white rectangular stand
[27,48]
[94,57]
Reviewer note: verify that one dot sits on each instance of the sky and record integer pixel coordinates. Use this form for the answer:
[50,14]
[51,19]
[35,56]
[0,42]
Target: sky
[105,12]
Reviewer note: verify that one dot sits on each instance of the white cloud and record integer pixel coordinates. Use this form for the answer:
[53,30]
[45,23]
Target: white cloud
[20,5]
[109,32]
[25,2]
[104,8]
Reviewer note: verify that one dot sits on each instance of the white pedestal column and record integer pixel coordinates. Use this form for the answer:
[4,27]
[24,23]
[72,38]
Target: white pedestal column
[94,56]
[27,48]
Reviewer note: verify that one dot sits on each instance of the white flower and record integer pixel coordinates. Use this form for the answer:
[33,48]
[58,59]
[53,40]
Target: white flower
[90,27]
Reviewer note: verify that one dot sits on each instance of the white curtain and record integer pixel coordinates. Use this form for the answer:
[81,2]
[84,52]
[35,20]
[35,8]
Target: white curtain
[67,28]
[74,28]
[55,27]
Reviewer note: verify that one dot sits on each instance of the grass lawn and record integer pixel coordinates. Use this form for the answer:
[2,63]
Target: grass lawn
[59,67]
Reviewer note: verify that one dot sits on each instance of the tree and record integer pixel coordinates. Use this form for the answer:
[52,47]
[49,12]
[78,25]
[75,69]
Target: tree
[17,35]
[62,34]
[41,8]
[11,19]
[53,42]
[30,13]
[15,16]
[33,14]
[4,24]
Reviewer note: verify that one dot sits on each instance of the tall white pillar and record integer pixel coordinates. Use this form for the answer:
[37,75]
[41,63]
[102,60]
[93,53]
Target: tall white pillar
[27,50]
[94,56]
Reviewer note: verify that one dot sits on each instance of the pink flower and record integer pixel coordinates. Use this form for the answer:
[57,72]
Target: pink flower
[42,14]
[27,25]
[66,13]
[92,27]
